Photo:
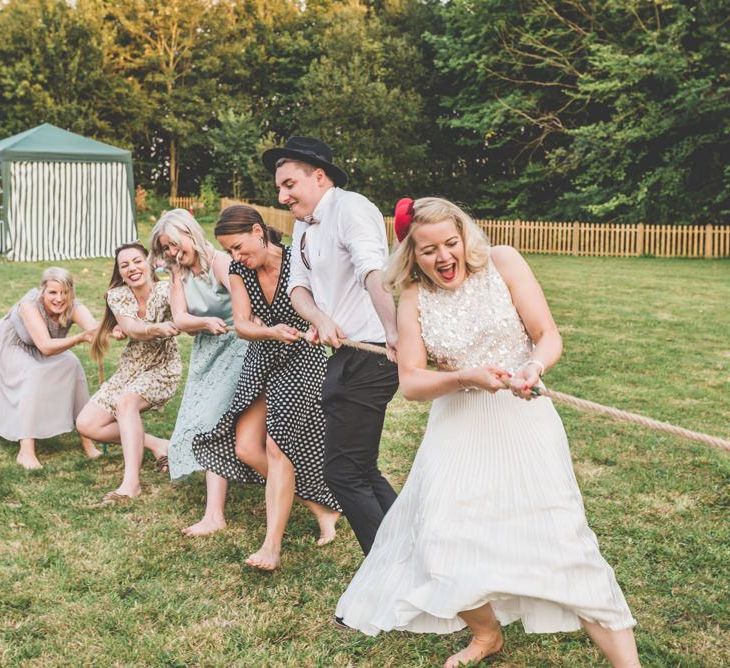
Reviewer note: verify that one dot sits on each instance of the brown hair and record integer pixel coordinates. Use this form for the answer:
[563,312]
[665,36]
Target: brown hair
[240,219]
[101,340]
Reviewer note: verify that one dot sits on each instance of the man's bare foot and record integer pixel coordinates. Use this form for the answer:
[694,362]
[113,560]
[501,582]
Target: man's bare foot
[28,461]
[476,650]
[266,559]
[206,527]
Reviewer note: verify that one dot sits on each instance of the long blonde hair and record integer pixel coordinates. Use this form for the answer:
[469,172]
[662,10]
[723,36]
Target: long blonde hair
[403,270]
[63,277]
[175,224]
[100,343]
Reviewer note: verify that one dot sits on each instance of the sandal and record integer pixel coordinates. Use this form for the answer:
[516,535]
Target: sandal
[162,465]
[114,498]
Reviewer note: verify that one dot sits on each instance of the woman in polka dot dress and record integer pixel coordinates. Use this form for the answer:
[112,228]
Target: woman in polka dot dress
[273,431]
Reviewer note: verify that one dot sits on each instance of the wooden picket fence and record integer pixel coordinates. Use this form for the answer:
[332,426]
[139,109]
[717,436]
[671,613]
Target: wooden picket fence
[594,239]
[605,239]
[185,203]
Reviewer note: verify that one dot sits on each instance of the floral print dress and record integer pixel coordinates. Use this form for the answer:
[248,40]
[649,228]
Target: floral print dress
[151,369]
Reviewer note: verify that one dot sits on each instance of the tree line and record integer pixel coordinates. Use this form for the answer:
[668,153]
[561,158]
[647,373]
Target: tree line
[615,110]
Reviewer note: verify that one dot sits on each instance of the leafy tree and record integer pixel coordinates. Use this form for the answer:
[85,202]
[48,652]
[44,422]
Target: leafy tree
[611,111]
[366,108]
[234,141]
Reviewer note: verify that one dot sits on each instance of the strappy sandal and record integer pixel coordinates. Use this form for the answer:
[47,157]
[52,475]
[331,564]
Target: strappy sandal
[162,465]
[114,498]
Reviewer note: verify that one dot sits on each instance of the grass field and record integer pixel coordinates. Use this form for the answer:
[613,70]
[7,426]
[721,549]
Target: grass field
[85,585]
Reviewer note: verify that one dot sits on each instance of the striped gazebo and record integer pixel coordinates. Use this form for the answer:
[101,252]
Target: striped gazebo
[64,196]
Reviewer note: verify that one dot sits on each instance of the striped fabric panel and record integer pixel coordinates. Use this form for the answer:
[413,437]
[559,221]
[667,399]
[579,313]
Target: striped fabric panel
[65,210]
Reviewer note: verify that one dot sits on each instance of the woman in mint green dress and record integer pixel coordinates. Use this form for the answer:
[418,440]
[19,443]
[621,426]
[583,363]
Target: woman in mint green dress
[201,306]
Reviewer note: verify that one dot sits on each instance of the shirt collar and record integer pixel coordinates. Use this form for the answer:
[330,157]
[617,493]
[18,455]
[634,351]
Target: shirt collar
[323,203]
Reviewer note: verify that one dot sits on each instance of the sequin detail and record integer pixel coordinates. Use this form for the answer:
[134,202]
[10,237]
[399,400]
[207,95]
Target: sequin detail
[474,325]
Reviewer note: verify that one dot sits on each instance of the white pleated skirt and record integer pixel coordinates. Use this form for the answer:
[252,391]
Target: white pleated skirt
[491,512]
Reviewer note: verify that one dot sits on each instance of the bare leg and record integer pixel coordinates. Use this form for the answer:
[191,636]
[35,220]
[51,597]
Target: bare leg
[89,448]
[487,639]
[214,519]
[619,647]
[251,437]
[279,499]
[251,448]
[326,518]
[131,432]
[96,423]
[26,455]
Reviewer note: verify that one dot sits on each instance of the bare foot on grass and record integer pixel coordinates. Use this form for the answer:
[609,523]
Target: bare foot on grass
[158,446]
[327,528]
[90,449]
[327,519]
[206,527]
[28,461]
[266,559]
[476,650]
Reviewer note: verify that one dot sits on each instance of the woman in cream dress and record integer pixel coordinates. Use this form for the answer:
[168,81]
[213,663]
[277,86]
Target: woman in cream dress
[490,526]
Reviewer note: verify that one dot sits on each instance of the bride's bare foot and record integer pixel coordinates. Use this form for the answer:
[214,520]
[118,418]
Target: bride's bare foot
[28,461]
[206,527]
[266,559]
[476,650]
[89,448]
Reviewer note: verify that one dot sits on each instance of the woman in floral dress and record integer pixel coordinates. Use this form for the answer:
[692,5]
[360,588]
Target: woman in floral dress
[149,368]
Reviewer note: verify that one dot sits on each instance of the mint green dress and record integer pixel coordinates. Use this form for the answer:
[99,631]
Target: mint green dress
[215,364]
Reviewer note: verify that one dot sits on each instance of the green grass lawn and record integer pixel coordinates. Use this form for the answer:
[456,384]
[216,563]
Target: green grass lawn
[85,585]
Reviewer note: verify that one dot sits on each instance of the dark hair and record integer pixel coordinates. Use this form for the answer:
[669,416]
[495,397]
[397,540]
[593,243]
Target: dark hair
[240,219]
[100,342]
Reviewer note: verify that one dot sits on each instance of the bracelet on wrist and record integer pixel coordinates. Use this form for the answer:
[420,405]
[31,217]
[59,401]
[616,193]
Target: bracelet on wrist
[536,363]
[461,382]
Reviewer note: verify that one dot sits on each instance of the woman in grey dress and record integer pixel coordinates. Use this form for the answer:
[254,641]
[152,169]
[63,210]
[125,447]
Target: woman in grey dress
[201,306]
[42,383]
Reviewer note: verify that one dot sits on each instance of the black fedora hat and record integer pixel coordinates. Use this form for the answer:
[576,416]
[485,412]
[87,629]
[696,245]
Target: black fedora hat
[309,150]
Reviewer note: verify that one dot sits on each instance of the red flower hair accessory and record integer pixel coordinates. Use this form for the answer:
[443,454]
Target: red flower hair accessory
[403,217]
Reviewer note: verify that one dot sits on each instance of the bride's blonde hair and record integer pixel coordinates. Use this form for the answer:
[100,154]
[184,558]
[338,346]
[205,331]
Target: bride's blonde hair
[403,270]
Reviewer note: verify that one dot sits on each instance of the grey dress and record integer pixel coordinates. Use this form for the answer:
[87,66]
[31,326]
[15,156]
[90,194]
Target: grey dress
[215,364]
[40,395]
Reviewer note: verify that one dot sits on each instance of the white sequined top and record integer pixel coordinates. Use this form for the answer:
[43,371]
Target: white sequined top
[474,325]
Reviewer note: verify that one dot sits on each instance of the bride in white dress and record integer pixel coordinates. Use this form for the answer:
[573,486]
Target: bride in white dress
[490,526]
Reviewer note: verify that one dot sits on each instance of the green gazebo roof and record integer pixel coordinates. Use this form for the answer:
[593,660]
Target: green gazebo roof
[48,143]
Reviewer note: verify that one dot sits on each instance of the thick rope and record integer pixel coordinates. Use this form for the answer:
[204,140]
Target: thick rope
[635,418]
[591,406]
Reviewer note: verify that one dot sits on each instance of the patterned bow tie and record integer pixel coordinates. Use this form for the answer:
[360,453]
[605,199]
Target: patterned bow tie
[311,220]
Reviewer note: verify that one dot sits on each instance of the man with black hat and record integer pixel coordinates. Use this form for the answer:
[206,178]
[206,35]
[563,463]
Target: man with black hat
[339,248]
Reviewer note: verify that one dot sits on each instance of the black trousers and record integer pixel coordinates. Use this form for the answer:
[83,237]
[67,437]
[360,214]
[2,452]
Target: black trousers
[357,388]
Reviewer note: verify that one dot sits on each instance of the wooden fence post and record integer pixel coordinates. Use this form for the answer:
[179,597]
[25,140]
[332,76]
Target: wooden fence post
[640,239]
[708,240]
[516,234]
[576,237]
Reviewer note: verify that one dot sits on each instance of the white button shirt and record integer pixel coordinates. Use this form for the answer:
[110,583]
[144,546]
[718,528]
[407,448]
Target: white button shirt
[342,248]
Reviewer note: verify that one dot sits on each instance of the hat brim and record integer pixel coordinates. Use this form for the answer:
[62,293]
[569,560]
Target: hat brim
[271,156]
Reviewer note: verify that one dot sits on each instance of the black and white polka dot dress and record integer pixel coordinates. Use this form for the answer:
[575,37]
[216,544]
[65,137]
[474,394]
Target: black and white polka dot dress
[291,378]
